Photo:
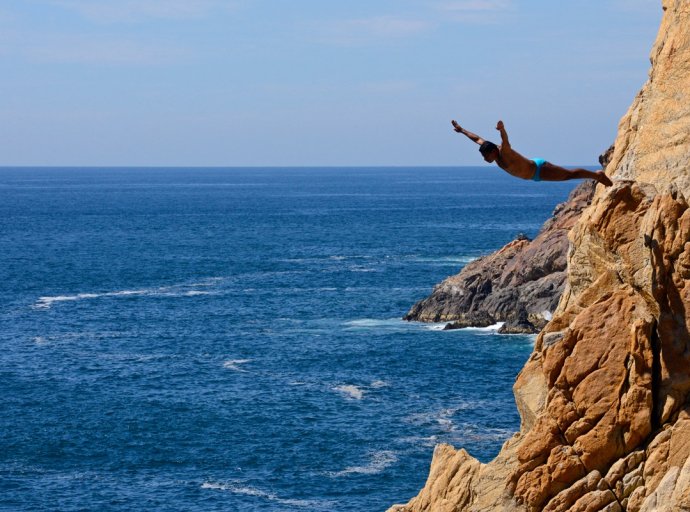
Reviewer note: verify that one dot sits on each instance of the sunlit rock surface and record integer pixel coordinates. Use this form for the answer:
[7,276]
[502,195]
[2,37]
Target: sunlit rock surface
[603,398]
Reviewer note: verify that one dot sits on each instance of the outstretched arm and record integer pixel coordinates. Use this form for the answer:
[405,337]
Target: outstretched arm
[504,134]
[470,135]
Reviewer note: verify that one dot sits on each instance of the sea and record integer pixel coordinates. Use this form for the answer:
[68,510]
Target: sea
[207,339]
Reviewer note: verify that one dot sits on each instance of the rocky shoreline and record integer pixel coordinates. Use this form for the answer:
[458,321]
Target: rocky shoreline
[604,399]
[520,284]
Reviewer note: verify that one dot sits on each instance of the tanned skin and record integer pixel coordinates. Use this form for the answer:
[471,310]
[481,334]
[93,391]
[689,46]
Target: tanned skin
[514,163]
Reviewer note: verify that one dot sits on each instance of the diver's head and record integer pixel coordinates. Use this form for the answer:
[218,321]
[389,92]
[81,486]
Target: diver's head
[489,151]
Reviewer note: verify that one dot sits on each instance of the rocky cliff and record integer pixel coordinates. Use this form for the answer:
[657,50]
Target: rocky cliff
[520,284]
[604,396]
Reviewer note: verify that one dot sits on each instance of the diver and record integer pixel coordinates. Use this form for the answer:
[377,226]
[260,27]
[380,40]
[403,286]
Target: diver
[537,169]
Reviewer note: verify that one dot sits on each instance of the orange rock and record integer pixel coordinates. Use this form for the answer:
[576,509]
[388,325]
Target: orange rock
[605,391]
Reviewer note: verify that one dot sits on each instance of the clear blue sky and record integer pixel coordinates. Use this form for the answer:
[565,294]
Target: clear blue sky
[314,82]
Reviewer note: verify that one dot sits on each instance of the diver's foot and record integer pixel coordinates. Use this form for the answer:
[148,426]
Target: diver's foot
[603,179]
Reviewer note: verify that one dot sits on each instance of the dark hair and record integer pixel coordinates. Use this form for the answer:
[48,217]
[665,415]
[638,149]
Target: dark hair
[487,148]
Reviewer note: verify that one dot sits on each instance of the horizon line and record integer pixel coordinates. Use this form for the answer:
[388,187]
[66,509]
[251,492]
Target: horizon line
[425,166]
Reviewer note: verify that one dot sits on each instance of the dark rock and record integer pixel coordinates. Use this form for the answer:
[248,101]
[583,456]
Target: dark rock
[514,328]
[520,325]
[519,284]
[605,157]
[476,319]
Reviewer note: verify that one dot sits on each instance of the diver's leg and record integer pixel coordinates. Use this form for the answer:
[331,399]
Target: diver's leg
[552,172]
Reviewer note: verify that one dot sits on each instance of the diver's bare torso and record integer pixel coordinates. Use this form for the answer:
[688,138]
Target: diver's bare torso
[514,163]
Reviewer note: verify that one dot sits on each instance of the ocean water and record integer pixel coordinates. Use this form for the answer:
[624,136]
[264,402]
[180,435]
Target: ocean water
[230,339]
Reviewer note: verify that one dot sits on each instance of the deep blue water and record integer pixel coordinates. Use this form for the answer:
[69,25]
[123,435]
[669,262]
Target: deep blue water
[208,339]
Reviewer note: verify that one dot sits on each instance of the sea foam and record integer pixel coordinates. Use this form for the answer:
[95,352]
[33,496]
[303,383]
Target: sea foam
[245,490]
[377,324]
[490,328]
[378,462]
[443,261]
[234,364]
[440,419]
[350,391]
[178,290]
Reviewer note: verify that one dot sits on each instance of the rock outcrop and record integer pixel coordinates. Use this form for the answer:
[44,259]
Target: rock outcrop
[520,284]
[604,397]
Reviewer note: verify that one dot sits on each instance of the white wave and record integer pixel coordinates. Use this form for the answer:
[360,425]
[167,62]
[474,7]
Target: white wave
[376,323]
[490,328]
[245,490]
[397,324]
[441,418]
[378,462]
[444,260]
[39,340]
[437,326]
[209,281]
[361,268]
[194,293]
[350,391]
[47,302]
[446,424]
[370,322]
[234,364]
[357,392]
[180,290]
[420,440]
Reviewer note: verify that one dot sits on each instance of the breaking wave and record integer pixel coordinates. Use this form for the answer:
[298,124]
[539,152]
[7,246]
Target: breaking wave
[180,290]
[378,462]
[245,490]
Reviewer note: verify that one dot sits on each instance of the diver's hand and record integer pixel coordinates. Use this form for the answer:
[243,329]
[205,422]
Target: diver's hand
[456,126]
[499,126]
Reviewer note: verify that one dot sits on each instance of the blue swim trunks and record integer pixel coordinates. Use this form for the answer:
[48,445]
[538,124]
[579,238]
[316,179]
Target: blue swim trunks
[537,174]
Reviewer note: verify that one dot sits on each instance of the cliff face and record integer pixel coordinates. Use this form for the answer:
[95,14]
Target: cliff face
[604,396]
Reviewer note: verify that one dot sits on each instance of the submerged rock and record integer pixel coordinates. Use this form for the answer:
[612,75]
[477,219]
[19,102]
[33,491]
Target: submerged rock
[604,397]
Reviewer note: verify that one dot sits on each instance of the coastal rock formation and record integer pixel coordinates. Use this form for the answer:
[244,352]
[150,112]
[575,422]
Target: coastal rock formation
[604,397]
[519,284]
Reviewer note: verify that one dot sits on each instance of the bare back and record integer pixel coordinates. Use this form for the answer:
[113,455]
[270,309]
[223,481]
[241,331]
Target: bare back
[514,163]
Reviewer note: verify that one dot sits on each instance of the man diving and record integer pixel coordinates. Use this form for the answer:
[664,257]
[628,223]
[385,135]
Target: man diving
[514,163]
